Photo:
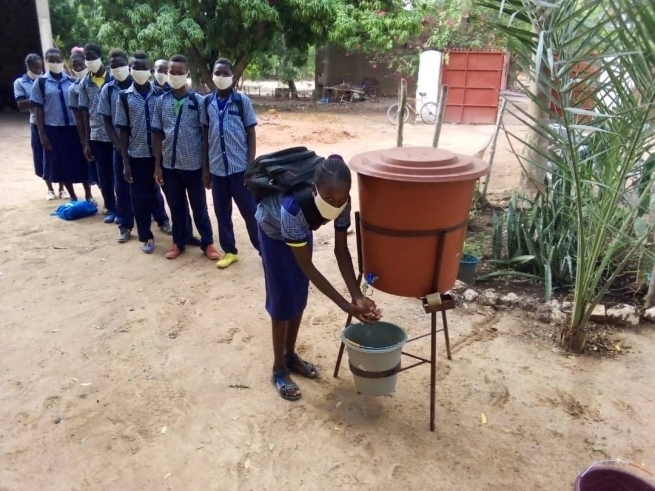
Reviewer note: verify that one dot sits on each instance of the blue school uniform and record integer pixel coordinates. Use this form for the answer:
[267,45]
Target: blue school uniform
[137,120]
[282,226]
[228,160]
[65,162]
[124,209]
[74,105]
[22,92]
[101,146]
[178,120]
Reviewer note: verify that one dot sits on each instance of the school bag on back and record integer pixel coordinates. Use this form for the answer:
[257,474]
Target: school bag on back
[287,171]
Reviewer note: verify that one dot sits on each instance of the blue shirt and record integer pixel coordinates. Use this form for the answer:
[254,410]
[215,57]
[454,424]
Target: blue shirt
[108,98]
[141,110]
[23,91]
[74,96]
[228,143]
[89,101]
[280,217]
[182,145]
[55,100]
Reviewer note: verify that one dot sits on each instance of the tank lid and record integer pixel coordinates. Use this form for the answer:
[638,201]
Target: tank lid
[419,164]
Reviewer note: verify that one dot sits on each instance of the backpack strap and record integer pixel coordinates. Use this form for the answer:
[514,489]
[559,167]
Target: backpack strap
[41,82]
[194,101]
[239,103]
[207,101]
[123,97]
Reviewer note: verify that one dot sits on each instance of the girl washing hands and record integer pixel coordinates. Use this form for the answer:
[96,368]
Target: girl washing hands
[285,238]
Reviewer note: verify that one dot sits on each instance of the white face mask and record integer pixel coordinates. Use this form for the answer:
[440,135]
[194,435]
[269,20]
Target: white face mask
[222,83]
[161,78]
[141,76]
[33,75]
[120,73]
[93,65]
[55,67]
[82,74]
[326,210]
[177,81]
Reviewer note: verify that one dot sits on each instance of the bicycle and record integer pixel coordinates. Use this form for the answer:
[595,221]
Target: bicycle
[427,110]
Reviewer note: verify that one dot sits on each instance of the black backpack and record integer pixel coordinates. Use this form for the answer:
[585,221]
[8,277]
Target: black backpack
[287,171]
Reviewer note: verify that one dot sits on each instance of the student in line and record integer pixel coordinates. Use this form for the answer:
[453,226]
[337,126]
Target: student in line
[229,145]
[135,108]
[97,145]
[64,155]
[285,238]
[178,158]
[161,75]
[80,71]
[22,93]
[122,80]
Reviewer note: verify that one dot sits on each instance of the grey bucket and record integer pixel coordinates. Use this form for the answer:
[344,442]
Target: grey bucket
[374,348]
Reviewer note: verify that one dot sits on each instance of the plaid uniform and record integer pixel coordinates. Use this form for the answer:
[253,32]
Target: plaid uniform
[22,92]
[228,145]
[280,218]
[74,96]
[55,100]
[89,102]
[141,110]
[182,145]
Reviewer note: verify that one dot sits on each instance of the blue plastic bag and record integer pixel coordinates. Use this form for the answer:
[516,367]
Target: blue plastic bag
[76,209]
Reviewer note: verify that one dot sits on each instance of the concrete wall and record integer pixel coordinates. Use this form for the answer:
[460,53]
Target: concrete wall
[19,36]
[337,66]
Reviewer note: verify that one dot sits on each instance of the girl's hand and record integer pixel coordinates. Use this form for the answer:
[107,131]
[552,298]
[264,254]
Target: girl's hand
[365,310]
[45,143]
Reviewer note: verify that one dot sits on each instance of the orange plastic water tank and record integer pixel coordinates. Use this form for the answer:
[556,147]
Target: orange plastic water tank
[414,207]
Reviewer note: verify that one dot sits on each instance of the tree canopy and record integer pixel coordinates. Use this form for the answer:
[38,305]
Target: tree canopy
[241,30]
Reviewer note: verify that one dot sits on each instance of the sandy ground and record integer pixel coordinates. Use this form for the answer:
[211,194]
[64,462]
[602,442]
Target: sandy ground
[121,371]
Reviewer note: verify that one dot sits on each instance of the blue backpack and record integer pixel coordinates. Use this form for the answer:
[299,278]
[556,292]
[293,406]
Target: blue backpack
[76,209]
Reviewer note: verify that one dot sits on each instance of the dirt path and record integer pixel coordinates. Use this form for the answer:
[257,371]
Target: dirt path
[121,371]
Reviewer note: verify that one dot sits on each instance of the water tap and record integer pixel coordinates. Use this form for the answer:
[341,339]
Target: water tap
[369,279]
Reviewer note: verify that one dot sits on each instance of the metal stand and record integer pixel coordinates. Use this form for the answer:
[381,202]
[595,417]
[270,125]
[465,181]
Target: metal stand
[432,304]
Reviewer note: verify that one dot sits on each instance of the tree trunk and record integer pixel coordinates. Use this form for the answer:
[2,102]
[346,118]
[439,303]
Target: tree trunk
[293,93]
[650,297]
[534,164]
[572,339]
[202,66]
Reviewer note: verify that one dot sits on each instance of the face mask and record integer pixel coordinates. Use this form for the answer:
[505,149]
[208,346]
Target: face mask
[55,67]
[326,210]
[93,65]
[141,76]
[222,83]
[177,81]
[33,75]
[120,73]
[161,78]
[82,74]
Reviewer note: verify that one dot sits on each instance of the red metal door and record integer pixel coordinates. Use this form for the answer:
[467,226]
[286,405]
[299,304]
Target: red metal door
[474,79]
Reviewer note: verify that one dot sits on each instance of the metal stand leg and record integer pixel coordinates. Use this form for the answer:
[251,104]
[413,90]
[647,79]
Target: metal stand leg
[433,367]
[445,333]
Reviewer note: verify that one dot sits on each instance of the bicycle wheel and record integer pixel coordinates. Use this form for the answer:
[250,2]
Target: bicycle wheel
[429,113]
[392,114]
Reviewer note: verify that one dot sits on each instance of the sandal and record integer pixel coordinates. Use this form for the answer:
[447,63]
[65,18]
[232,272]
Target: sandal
[310,371]
[283,388]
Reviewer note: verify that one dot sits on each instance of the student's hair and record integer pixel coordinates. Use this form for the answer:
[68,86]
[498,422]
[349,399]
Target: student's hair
[118,53]
[94,48]
[332,168]
[224,61]
[140,55]
[31,59]
[179,59]
[52,51]
[77,55]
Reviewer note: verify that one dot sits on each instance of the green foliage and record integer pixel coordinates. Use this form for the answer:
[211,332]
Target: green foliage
[537,236]
[592,70]
[242,30]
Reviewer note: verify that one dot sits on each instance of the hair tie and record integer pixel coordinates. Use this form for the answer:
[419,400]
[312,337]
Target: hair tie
[335,156]
[77,49]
